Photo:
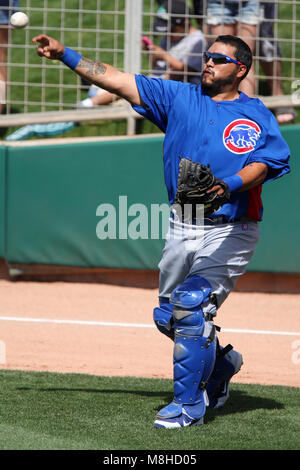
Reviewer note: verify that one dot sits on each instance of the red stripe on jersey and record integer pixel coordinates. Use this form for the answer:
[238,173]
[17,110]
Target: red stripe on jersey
[255,203]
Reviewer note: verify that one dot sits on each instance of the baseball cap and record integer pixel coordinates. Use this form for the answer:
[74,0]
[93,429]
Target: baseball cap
[165,15]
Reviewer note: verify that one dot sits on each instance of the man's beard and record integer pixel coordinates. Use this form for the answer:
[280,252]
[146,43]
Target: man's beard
[217,86]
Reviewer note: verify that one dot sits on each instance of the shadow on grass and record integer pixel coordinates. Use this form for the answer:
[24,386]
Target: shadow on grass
[238,402]
[166,395]
[242,402]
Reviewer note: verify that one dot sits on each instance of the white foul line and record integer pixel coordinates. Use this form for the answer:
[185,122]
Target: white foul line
[138,325]
[77,322]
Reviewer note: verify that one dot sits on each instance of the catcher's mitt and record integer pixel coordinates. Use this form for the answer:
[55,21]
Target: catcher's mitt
[194,180]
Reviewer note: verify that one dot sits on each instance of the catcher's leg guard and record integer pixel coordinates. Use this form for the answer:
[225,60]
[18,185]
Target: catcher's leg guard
[228,363]
[163,318]
[194,355]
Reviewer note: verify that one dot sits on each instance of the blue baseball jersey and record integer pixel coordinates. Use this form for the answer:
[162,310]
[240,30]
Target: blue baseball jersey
[227,135]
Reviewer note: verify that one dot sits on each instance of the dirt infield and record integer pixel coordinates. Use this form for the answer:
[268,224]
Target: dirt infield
[105,329]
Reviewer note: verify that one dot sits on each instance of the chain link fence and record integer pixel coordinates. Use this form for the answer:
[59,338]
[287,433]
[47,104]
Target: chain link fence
[110,31]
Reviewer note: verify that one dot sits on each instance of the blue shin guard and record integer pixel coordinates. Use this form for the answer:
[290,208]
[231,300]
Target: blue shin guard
[163,318]
[194,355]
[228,363]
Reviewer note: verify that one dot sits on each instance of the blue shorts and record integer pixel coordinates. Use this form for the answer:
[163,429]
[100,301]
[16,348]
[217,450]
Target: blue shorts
[7,8]
[230,12]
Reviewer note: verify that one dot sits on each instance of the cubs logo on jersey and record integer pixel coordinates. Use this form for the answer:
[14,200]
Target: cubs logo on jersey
[241,136]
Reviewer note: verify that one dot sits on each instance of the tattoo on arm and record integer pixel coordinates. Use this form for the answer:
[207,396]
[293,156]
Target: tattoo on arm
[93,68]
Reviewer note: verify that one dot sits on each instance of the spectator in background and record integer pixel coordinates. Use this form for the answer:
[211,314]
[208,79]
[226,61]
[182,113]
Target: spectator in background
[269,53]
[7,8]
[179,55]
[237,18]
[269,56]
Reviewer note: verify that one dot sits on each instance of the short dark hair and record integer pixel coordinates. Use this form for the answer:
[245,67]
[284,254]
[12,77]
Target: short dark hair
[242,50]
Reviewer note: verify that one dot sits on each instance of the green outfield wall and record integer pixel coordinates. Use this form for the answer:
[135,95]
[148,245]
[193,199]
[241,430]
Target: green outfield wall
[59,198]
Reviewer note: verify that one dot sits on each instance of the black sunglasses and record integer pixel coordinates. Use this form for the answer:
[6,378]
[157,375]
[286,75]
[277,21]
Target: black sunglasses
[219,58]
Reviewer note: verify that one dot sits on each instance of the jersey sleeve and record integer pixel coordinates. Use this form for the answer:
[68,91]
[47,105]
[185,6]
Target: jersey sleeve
[158,96]
[274,152]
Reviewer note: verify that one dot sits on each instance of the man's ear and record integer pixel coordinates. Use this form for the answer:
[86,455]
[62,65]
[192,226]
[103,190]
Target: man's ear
[242,70]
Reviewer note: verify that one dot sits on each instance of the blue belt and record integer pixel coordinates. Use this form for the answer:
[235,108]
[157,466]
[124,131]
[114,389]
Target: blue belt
[217,220]
[223,219]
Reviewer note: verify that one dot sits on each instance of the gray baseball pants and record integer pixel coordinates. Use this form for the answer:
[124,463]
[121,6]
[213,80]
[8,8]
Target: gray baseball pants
[219,253]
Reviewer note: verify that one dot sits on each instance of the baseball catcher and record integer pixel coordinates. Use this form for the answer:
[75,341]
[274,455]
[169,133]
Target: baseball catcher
[216,124]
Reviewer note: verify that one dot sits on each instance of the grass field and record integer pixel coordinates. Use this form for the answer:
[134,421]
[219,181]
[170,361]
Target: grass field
[72,411]
[86,42]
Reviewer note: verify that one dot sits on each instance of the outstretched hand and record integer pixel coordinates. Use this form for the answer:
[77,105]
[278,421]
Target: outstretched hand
[48,47]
